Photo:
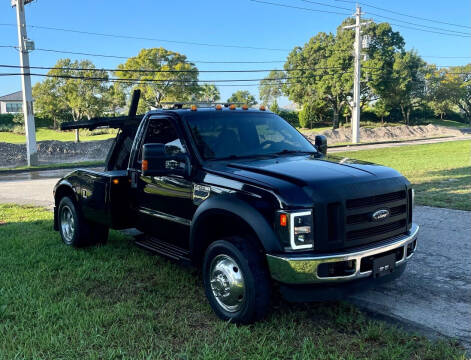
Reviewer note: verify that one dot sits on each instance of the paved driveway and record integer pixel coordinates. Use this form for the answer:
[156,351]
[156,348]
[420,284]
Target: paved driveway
[433,295]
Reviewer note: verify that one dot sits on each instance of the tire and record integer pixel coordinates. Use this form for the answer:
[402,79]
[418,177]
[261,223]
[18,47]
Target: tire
[234,263]
[75,230]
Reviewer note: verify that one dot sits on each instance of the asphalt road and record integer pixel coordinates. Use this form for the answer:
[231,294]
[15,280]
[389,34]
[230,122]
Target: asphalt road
[433,296]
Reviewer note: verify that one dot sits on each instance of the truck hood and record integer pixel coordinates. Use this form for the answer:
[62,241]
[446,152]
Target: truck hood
[331,176]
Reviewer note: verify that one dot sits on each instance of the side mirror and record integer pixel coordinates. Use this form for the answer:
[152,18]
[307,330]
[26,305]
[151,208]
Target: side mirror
[159,159]
[321,144]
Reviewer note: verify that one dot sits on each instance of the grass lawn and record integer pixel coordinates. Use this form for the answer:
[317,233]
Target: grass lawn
[440,173]
[449,123]
[118,301]
[50,134]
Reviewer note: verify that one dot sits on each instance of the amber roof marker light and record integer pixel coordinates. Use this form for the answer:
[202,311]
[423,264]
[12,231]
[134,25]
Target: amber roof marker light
[193,108]
[218,107]
[245,107]
[262,108]
[232,107]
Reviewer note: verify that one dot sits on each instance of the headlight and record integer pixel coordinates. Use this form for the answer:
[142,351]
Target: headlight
[296,229]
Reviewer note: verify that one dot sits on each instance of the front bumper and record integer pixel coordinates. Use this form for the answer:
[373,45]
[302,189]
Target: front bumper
[302,269]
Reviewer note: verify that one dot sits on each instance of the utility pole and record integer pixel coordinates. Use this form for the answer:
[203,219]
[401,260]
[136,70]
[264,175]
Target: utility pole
[25,45]
[357,75]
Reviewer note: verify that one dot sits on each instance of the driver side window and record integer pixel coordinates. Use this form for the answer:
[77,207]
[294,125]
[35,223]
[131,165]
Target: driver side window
[162,131]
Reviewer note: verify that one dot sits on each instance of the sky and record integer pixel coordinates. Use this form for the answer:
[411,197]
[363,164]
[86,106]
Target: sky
[221,22]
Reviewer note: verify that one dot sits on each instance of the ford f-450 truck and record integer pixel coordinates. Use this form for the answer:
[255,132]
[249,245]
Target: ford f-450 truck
[243,196]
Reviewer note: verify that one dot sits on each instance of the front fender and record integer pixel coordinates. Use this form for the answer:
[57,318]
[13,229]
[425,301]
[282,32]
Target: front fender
[240,209]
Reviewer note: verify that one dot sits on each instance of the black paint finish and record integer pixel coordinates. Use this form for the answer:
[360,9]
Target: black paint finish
[175,208]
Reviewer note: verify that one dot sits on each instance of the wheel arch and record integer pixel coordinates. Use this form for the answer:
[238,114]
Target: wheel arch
[223,216]
[63,188]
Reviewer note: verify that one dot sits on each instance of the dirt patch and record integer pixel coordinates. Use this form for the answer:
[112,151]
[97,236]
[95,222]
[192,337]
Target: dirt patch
[387,133]
[55,152]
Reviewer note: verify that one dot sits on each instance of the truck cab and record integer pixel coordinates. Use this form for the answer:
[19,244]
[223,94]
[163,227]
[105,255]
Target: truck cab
[242,195]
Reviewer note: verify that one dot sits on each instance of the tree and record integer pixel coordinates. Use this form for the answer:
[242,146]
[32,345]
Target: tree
[115,98]
[48,101]
[171,77]
[274,108]
[270,88]
[381,109]
[209,93]
[76,87]
[311,65]
[323,68]
[306,116]
[457,83]
[243,97]
[408,83]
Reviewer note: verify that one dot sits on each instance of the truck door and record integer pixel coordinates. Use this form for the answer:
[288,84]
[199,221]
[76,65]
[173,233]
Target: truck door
[164,205]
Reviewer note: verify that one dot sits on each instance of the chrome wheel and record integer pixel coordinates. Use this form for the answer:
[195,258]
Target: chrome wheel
[67,224]
[227,283]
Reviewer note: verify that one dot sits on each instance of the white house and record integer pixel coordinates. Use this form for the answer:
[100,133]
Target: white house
[11,103]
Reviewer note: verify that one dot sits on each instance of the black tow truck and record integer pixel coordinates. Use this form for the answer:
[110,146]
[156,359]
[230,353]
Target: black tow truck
[243,196]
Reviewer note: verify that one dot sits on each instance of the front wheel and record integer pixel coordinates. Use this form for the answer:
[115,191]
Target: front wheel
[236,280]
[75,230]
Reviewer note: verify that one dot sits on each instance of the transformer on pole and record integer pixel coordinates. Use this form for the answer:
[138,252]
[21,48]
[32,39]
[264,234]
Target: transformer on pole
[25,45]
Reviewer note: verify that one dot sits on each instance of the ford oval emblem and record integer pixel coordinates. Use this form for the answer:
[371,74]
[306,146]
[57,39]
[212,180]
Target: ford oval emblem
[380,214]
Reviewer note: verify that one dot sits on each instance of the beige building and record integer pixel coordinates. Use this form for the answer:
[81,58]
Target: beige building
[11,103]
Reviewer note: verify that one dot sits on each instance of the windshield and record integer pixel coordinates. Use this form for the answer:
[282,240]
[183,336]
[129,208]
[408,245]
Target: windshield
[223,135]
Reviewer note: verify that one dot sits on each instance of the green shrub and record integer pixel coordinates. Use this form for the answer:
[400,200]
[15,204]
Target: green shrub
[290,116]
[6,119]
[18,129]
[307,116]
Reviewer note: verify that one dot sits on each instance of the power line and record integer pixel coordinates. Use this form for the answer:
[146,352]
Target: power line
[171,71]
[421,25]
[299,7]
[450,33]
[415,17]
[127,57]
[131,37]
[431,31]
[187,82]
[324,4]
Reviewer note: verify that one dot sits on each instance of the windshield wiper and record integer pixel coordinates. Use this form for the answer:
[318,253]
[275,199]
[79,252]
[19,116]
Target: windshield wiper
[286,151]
[236,157]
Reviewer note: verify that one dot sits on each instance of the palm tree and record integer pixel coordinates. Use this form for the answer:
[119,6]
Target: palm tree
[209,93]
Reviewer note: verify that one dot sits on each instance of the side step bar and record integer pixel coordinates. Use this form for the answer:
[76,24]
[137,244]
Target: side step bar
[158,246]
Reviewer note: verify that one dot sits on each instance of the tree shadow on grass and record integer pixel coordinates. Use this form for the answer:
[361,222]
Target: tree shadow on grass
[446,188]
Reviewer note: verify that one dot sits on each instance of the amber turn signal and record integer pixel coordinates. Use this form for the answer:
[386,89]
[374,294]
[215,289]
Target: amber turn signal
[145,165]
[283,220]
[116,181]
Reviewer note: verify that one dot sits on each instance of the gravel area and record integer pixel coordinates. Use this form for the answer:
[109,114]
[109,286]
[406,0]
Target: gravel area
[387,133]
[55,152]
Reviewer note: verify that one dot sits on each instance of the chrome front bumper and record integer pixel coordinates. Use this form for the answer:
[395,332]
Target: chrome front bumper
[292,269]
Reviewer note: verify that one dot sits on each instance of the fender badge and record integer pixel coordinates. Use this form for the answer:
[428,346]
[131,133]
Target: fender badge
[201,192]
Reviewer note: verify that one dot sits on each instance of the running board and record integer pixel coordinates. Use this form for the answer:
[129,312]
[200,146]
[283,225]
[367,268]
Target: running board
[164,248]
